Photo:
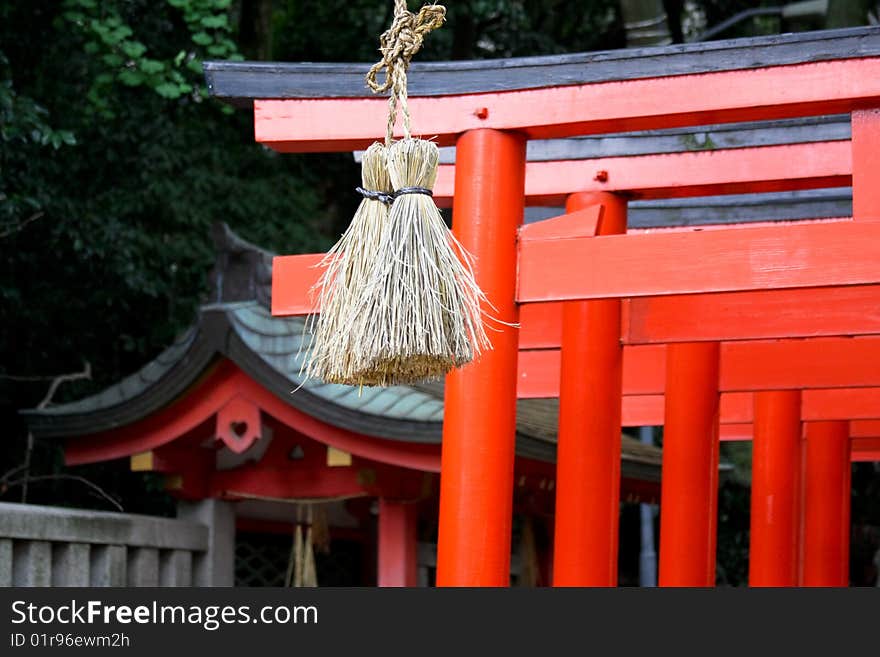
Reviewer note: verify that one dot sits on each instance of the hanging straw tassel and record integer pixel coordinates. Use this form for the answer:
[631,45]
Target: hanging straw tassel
[310,572]
[298,556]
[420,314]
[334,357]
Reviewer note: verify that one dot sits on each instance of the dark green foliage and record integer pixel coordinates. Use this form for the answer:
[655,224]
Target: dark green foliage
[114,163]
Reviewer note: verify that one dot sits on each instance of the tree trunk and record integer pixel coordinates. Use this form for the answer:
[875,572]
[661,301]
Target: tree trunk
[645,23]
[847,13]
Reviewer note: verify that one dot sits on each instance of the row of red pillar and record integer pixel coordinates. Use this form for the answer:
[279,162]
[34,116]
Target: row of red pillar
[800,496]
[791,542]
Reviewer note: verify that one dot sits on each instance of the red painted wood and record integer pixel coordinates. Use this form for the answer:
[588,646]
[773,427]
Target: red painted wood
[588,454]
[392,452]
[398,543]
[643,410]
[769,257]
[345,124]
[867,429]
[691,173]
[239,424]
[175,420]
[690,466]
[842,404]
[292,280]
[862,405]
[794,313]
[827,505]
[865,434]
[580,222]
[202,402]
[725,316]
[809,363]
[797,313]
[277,476]
[814,363]
[776,487]
[540,326]
[735,431]
[476,485]
[864,448]
[189,462]
[866,163]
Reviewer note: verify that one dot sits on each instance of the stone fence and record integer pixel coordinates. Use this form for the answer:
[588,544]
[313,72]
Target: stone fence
[52,546]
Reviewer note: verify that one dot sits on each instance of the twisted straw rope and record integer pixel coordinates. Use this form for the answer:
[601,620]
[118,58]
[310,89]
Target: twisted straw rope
[398,44]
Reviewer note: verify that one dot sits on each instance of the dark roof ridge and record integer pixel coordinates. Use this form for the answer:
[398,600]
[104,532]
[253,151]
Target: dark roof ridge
[242,270]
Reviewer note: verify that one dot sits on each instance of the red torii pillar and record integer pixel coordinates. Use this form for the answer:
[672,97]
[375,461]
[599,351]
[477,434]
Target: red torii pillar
[479,424]
[776,489]
[588,452]
[827,504]
[689,486]
[398,544]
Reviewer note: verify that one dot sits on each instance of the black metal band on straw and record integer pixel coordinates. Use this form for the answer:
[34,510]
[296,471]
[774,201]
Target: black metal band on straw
[374,195]
[412,190]
[389,198]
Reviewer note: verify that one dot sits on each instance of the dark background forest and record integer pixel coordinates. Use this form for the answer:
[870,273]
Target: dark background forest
[115,162]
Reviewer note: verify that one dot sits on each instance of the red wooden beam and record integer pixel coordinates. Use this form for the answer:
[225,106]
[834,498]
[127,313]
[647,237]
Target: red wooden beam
[857,404]
[693,173]
[866,163]
[583,222]
[725,316]
[807,312]
[722,316]
[292,280]
[865,449]
[745,366]
[648,264]
[345,124]
[809,363]
[865,433]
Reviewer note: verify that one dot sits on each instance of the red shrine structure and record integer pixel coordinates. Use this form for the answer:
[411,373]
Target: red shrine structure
[225,416]
[764,331]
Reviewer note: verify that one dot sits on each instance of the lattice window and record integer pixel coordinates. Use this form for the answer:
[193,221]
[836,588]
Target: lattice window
[262,559]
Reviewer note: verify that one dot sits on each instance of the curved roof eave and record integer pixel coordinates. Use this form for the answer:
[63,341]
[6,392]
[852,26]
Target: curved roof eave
[214,336]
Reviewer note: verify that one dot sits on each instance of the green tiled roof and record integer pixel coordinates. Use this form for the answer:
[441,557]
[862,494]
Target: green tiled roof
[238,325]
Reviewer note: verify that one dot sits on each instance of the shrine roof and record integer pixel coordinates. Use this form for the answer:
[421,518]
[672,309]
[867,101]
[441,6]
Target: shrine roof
[236,324]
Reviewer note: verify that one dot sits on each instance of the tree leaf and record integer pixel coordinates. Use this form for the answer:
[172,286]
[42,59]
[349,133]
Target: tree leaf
[131,77]
[215,22]
[169,90]
[134,49]
[112,59]
[151,66]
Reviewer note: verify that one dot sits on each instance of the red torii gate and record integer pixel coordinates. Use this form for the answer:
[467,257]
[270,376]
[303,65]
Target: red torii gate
[734,332]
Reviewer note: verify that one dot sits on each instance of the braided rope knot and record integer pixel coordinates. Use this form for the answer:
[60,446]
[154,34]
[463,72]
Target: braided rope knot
[398,45]
[400,42]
